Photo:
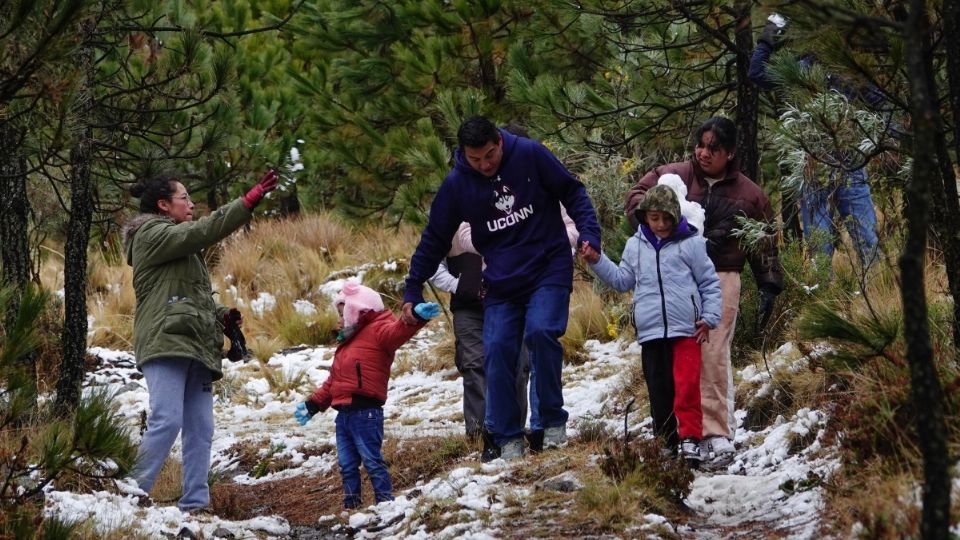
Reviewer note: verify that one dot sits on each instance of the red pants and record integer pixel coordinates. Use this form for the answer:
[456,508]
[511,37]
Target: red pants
[671,368]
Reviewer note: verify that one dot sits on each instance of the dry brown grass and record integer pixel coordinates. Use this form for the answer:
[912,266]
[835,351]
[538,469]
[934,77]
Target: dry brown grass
[112,303]
[291,259]
[295,253]
[169,483]
[883,504]
[589,319]
[438,358]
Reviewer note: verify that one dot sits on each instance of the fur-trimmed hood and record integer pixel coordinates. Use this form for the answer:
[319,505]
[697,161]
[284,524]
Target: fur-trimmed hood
[130,229]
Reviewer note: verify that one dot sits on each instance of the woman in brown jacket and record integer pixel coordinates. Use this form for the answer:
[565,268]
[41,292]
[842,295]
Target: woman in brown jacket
[714,180]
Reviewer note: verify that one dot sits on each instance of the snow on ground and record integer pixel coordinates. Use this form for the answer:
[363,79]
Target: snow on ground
[768,482]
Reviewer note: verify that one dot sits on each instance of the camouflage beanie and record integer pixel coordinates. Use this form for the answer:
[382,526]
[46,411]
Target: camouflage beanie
[662,198]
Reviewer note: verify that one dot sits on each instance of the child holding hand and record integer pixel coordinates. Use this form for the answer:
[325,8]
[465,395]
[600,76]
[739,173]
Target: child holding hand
[357,385]
[676,302]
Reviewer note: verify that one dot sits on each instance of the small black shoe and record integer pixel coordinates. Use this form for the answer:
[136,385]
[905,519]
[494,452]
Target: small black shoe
[535,440]
[490,449]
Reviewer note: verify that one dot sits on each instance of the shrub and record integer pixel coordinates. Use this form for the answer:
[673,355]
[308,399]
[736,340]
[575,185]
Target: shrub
[282,381]
[640,481]
[38,449]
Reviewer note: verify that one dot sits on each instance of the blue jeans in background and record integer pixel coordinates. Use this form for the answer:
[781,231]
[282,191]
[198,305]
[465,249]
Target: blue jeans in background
[850,193]
[538,322]
[359,439]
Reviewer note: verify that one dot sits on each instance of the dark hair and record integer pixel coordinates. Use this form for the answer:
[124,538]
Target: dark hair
[724,132]
[477,131]
[155,188]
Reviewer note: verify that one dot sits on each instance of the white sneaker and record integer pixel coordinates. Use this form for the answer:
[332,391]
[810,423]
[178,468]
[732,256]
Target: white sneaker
[717,450]
[512,449]
[690,450]
[555,437]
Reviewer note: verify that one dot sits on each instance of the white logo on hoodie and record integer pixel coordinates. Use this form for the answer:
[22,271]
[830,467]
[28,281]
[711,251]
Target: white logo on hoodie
[503,201]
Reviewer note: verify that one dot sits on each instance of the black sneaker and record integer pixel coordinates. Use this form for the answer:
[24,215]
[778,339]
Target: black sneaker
[535,440]
[490,449]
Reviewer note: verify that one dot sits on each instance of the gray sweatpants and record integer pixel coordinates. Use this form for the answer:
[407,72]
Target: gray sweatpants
[181,398]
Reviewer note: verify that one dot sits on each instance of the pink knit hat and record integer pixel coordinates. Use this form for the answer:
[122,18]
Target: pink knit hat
[356,299]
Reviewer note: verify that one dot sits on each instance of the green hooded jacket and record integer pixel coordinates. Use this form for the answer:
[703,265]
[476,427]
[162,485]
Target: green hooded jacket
[176,315]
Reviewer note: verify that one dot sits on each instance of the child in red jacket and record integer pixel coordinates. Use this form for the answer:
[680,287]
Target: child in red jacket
[357,386]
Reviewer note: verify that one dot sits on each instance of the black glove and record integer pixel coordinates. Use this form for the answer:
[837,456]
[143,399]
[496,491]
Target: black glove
[765,309]
[231,329]
[771,34]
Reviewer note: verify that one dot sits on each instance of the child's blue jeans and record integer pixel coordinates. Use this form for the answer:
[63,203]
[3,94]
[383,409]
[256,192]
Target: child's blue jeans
[359,439]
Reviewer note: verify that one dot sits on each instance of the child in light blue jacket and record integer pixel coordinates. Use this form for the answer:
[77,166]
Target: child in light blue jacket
[676,301]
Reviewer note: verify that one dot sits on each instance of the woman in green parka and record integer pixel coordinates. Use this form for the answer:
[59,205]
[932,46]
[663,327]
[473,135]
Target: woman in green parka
[178,328]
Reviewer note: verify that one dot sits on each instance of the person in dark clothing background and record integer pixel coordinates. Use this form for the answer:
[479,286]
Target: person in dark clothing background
[845,192]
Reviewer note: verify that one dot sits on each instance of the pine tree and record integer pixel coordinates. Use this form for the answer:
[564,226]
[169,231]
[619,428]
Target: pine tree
[92,442]
[392,83]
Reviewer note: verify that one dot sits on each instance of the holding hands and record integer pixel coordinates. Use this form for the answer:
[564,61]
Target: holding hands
[588,253]
[702,333]
[426,310]
[267,183]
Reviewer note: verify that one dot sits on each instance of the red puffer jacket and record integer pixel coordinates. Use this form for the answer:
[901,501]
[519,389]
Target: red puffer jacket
[361,365]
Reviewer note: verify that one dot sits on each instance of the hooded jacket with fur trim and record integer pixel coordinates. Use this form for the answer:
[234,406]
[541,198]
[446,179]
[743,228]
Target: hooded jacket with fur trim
[176,315]
[674,283]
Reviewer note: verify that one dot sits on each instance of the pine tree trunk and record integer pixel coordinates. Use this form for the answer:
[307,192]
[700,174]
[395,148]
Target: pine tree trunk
[14,212]
[74,337]
[946,227]
[14,227]
[748,94]
[925,389]
[481,41]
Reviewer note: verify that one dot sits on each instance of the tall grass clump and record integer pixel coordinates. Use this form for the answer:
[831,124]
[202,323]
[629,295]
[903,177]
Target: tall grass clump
[294,260]
[638,480]
[589,318]
[111,301]
[284,381]
[291,253]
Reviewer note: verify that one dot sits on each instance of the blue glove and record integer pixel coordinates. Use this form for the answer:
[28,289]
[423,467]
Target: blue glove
[427,310]
[302,414]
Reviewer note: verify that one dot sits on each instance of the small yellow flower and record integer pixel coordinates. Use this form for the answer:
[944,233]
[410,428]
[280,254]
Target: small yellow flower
[612,330]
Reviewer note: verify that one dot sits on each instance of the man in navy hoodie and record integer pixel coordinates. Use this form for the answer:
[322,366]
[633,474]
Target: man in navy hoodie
[510,190]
